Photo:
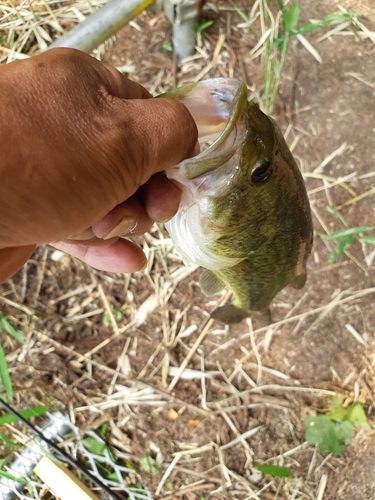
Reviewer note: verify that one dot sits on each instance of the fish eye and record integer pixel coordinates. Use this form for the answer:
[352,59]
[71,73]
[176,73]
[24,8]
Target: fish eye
[261,172]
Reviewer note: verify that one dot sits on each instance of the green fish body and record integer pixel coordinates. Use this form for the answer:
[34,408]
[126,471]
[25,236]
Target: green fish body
[244,215]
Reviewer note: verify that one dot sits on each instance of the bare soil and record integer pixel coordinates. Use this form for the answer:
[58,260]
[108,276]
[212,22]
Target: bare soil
[321,107]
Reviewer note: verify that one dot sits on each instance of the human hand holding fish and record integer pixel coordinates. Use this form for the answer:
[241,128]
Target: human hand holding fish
[82,154]
[87,156]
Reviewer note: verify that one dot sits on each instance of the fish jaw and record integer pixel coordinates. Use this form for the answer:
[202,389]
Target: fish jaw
[214,105]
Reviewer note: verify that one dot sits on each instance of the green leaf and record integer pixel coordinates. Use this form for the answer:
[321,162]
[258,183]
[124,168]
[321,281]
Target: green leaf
[367,240]
[168,46]
[344,431]
[351,231]
[336,411]
[113,477]
[8,442]
[282,7]
[290,18]
[356,415]
[340,248]
[327,435]
[309,27]
[148,464]
[94,446]
[333,211]
[334,18]
[240,12]
[12,478]
[204,26]
[5,377]
[32,412]
[5,325]
[274,470]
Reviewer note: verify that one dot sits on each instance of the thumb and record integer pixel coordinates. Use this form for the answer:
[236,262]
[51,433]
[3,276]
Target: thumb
[162,133]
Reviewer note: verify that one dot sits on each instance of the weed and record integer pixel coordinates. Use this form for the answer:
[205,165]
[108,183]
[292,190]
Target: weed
[200,32]
[16,479]
[6,327]
[117,314]
[168,46]
[5,377]
[346,236]
[94,446]
[278,31]
[332,432]
[204,26]
[148,464]
[29,413]
[274,470]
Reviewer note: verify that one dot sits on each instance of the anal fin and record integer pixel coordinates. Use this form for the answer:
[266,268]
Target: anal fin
[210,283]
[298,281]
[229,314]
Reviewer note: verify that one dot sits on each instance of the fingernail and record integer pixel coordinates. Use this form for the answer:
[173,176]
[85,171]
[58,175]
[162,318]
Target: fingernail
[126,225]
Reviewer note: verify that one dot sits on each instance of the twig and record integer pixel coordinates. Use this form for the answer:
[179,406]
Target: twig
[167,473]
[190,354]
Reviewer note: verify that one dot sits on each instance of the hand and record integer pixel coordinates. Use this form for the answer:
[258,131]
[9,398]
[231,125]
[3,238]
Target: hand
[82,153]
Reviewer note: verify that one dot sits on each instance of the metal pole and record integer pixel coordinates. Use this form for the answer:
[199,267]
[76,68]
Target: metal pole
[183,14]
[103,24]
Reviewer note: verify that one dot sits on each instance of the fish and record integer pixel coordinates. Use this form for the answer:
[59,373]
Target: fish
[244,214]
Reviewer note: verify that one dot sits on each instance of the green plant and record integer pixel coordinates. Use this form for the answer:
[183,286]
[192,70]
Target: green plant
[204,26]
[5,377]
[6,327]
[16,479]
[116,314]
[148,464]
[278,32]
[345,237]
[274,470]
[168,46]
[29,413]
[8,447]
[333,431]
[200,31]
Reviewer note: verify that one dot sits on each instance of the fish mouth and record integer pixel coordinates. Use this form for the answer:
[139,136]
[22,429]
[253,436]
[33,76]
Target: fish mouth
[219,109]
[215,106]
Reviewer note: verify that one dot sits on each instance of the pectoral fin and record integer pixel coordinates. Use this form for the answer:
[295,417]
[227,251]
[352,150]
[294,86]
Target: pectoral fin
[210,283]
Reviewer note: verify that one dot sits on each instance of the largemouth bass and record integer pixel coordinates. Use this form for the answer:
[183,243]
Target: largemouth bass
[244,215]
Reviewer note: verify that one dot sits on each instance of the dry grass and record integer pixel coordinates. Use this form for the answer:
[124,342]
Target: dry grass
[141,353]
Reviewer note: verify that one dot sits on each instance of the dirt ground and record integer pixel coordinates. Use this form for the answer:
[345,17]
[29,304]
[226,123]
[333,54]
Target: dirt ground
[249,375]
